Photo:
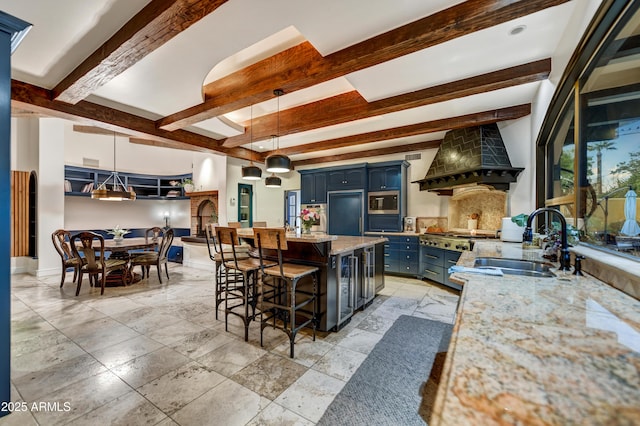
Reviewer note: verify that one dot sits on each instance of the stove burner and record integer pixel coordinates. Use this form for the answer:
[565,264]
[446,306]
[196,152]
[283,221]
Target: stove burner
[447,241]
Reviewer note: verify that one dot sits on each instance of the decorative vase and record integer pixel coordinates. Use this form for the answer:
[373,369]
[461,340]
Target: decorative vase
[188,187]
[118,238]
[306,228]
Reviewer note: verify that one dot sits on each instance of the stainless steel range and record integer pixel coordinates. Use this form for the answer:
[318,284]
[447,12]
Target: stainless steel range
[452,242]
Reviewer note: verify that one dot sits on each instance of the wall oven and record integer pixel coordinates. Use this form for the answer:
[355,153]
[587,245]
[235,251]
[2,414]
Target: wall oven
[384,202]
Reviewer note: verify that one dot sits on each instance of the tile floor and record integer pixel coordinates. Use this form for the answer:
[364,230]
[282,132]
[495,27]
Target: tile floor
[155,354]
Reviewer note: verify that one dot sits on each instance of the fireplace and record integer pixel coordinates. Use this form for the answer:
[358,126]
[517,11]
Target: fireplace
[204,209]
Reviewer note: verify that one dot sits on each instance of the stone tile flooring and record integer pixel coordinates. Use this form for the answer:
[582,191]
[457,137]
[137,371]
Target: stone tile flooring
[155,354]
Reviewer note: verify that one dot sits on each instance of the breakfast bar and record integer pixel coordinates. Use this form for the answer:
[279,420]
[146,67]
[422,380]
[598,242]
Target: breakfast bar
[351,271]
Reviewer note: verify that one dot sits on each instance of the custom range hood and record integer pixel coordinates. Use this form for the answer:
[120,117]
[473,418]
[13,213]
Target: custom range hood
[470,156]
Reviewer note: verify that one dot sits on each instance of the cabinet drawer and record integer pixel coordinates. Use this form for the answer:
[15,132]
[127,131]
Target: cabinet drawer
[432,255]
[434,273]
[451,258]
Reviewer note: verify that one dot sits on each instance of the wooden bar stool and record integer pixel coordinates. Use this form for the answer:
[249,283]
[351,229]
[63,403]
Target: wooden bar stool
[280,297]
[240,278]
[215,255]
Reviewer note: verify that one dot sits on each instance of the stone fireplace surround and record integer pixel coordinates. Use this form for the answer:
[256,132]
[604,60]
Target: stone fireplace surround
[203,204]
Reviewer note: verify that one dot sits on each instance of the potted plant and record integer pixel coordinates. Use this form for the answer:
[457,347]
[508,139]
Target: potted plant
[118,233]
[187,184]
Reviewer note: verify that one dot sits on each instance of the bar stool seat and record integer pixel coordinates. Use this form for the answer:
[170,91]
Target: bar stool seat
[281,299]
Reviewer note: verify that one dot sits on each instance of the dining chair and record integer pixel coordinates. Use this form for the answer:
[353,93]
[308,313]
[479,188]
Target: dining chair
[283,298]
[259,224]
[234,224]
[157,258]
[62,243]
[95,264]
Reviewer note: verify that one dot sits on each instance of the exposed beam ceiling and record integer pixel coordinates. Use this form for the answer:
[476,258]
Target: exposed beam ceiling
[351,106]
[369,153]
[302,67]
[469,120]
[158,22]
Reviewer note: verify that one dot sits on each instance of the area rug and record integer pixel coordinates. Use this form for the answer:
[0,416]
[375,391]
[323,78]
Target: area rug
[387,388]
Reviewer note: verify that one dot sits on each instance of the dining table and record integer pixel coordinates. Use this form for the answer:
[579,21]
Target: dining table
[122,249]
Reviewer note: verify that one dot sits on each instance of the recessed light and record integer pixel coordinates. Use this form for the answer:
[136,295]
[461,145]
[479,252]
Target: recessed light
[517,30]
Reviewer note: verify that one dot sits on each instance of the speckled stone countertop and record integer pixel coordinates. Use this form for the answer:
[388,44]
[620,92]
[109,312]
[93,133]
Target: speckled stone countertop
[559,351]
[339,243]
[345,244]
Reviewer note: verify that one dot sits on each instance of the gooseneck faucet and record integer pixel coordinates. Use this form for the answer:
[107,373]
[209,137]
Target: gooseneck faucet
[565,257]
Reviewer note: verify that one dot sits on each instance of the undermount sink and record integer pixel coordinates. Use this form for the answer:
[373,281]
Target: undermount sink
[528,268]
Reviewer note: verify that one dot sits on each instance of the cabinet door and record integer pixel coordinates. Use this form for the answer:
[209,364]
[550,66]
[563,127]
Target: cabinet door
[307,188]
[384,222]
[347,275]
[320,187]
[245,205]
[354,178]
[377,179]
[393,178]
[335,180]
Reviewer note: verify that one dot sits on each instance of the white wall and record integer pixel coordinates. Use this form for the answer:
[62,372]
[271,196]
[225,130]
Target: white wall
[268,203]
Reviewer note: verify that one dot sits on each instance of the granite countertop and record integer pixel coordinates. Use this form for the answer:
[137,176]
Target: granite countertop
[344,244]
[403,233]
[562,350]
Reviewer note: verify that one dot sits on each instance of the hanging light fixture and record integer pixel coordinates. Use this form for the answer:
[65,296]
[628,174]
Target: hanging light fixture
[118,191]
[272,181]
[251,172]
[278,163]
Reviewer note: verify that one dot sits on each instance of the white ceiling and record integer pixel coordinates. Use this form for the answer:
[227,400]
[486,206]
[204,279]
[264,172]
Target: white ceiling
[242,32]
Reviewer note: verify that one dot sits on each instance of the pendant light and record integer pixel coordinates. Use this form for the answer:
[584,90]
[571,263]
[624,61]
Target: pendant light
[278,163]
[118,191]
[273,181]
[251,172]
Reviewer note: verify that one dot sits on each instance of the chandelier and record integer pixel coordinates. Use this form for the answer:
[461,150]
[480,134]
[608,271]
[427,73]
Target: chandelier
[251,172]
[118,191]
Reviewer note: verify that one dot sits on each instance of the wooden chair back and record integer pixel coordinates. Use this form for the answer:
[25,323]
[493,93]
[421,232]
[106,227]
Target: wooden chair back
[61,241]
[228,236]
[165,244]
[234,224]
[92,246]
[259,224]
[209,236]
[153,235]
[271,238]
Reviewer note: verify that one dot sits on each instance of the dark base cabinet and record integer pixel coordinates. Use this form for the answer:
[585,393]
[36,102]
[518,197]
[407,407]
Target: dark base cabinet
[435,263]
[401,255]
[344,278]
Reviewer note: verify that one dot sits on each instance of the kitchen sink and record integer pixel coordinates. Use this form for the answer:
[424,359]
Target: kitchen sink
[528,268]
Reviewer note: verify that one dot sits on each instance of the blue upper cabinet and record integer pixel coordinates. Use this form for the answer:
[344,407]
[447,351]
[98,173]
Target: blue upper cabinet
[348,178]
[385,178]
[313,187]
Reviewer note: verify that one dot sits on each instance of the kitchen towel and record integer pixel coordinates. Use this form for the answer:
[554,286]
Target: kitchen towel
[487,270]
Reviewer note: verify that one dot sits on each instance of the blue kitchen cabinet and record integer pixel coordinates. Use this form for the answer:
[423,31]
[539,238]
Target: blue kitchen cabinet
[401,254]
[386,178]
[350,178]
[313,187]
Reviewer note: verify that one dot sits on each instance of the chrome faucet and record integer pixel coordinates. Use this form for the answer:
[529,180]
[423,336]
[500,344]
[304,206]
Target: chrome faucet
[565,257]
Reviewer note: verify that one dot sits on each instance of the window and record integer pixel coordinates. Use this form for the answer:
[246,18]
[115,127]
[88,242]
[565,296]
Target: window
[593,172]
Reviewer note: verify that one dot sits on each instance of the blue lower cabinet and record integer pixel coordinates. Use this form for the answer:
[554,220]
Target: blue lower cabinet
[175,254]
[435,263]
[401,255]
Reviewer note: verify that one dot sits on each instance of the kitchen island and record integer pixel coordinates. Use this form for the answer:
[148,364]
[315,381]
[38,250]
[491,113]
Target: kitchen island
[563,350]
[351,269]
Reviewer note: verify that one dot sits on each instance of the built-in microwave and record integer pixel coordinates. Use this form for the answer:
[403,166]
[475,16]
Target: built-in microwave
[384,202]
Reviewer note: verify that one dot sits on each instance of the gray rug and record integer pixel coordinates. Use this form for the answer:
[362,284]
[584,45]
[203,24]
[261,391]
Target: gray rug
[387,388]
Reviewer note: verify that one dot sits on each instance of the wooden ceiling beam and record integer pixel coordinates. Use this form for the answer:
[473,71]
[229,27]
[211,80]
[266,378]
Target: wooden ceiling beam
[171,145]
[459,122]
[157,23]
[93,130]
[419,146]
[37,99]
[286,71]
[351,106]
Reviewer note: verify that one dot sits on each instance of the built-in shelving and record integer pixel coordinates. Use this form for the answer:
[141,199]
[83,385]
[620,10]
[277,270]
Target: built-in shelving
[79,181]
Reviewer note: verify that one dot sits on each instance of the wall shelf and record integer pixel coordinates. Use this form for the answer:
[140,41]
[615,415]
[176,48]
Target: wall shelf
[79,181]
